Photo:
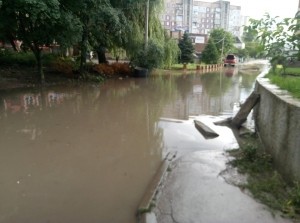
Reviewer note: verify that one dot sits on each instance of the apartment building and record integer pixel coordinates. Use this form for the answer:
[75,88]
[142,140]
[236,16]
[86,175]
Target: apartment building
[200,17]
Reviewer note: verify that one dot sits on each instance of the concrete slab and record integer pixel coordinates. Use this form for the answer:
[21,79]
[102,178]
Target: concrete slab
[196,192]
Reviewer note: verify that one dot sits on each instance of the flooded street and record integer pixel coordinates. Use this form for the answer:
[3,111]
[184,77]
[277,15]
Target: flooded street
[86,153]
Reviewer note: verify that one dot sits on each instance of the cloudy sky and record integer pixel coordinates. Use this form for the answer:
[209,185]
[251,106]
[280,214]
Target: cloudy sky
[257,8]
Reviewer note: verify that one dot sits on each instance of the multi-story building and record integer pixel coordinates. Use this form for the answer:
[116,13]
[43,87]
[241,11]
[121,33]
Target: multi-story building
[177,14]
[200,17]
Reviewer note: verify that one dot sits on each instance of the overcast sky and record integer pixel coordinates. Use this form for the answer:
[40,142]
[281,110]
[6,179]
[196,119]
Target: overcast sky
[257,8]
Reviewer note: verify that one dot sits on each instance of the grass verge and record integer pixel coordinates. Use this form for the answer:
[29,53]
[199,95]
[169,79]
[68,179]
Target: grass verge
[290,82]
[189,66]
[264,182]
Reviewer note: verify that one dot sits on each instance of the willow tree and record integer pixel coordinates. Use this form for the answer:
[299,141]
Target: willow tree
[135,34]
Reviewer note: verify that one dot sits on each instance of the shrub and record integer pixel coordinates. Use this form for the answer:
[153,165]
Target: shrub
[50,58]
[10,58]
[151,57]
[122,69]
[64,66]
[103,69]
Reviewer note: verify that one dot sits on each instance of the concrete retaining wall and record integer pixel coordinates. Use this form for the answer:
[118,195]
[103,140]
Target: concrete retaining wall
[277,119]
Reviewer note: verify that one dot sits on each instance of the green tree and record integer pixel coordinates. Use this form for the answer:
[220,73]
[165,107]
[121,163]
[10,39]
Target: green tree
[37,23]
[171,52]
[253,47]
[98,22]
[249,35]
[223,40]
[186,49]
[150,57]
[210,54]
[277,37]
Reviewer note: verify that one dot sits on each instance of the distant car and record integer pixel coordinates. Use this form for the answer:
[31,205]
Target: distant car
[230,60]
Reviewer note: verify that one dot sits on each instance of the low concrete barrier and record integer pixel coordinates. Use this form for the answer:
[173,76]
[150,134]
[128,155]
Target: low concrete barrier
[277,119]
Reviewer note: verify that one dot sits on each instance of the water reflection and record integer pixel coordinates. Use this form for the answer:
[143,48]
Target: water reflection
[209,94]
[86,153]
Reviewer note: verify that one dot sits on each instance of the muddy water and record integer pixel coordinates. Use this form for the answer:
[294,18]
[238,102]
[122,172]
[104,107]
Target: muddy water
[86,153]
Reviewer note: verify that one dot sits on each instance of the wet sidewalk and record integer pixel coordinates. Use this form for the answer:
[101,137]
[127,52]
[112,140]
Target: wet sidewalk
[199,189]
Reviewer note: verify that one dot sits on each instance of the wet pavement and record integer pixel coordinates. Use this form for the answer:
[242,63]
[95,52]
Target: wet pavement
[199,190]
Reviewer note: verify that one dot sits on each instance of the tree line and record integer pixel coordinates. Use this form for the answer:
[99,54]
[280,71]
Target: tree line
[97,25]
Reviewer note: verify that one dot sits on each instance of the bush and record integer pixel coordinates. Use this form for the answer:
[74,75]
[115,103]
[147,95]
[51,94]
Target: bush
[50,58]
[151,57]
[63,65]
[104,69]
[10,58]
[122,69]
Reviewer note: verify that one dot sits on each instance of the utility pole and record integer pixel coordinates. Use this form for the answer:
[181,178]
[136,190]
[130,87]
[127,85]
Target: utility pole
[146,23]
[222,51]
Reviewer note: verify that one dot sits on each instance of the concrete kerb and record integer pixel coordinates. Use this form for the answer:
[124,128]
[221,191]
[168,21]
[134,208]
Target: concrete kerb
[144,214]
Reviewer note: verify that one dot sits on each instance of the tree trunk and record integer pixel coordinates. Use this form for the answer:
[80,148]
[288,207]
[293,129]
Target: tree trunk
[40,66]
[84,42]
[38,57]
[12,43]
[101,55]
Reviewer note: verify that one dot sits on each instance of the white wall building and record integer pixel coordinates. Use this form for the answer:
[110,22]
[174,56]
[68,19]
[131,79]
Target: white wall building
[201,17]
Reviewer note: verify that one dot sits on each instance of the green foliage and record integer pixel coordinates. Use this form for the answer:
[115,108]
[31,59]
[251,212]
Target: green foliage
[251,160]
[186,49]
[254,49]
[37,23]
[49,58]
[64,66]
[210,54]
[293,204]
[35,20]
[91,24]
[151,57]
[10,58]
[249,34]
[190,66]
[289,83]
[241,53]
[278,37]
[265,183]
[279,59]
[171,52]
[223,40]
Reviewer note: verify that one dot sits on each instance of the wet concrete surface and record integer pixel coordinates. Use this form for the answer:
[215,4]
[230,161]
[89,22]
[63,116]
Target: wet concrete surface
[198,190]
[201,187]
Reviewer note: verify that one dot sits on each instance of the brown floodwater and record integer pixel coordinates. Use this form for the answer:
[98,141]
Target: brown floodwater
[86,153]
